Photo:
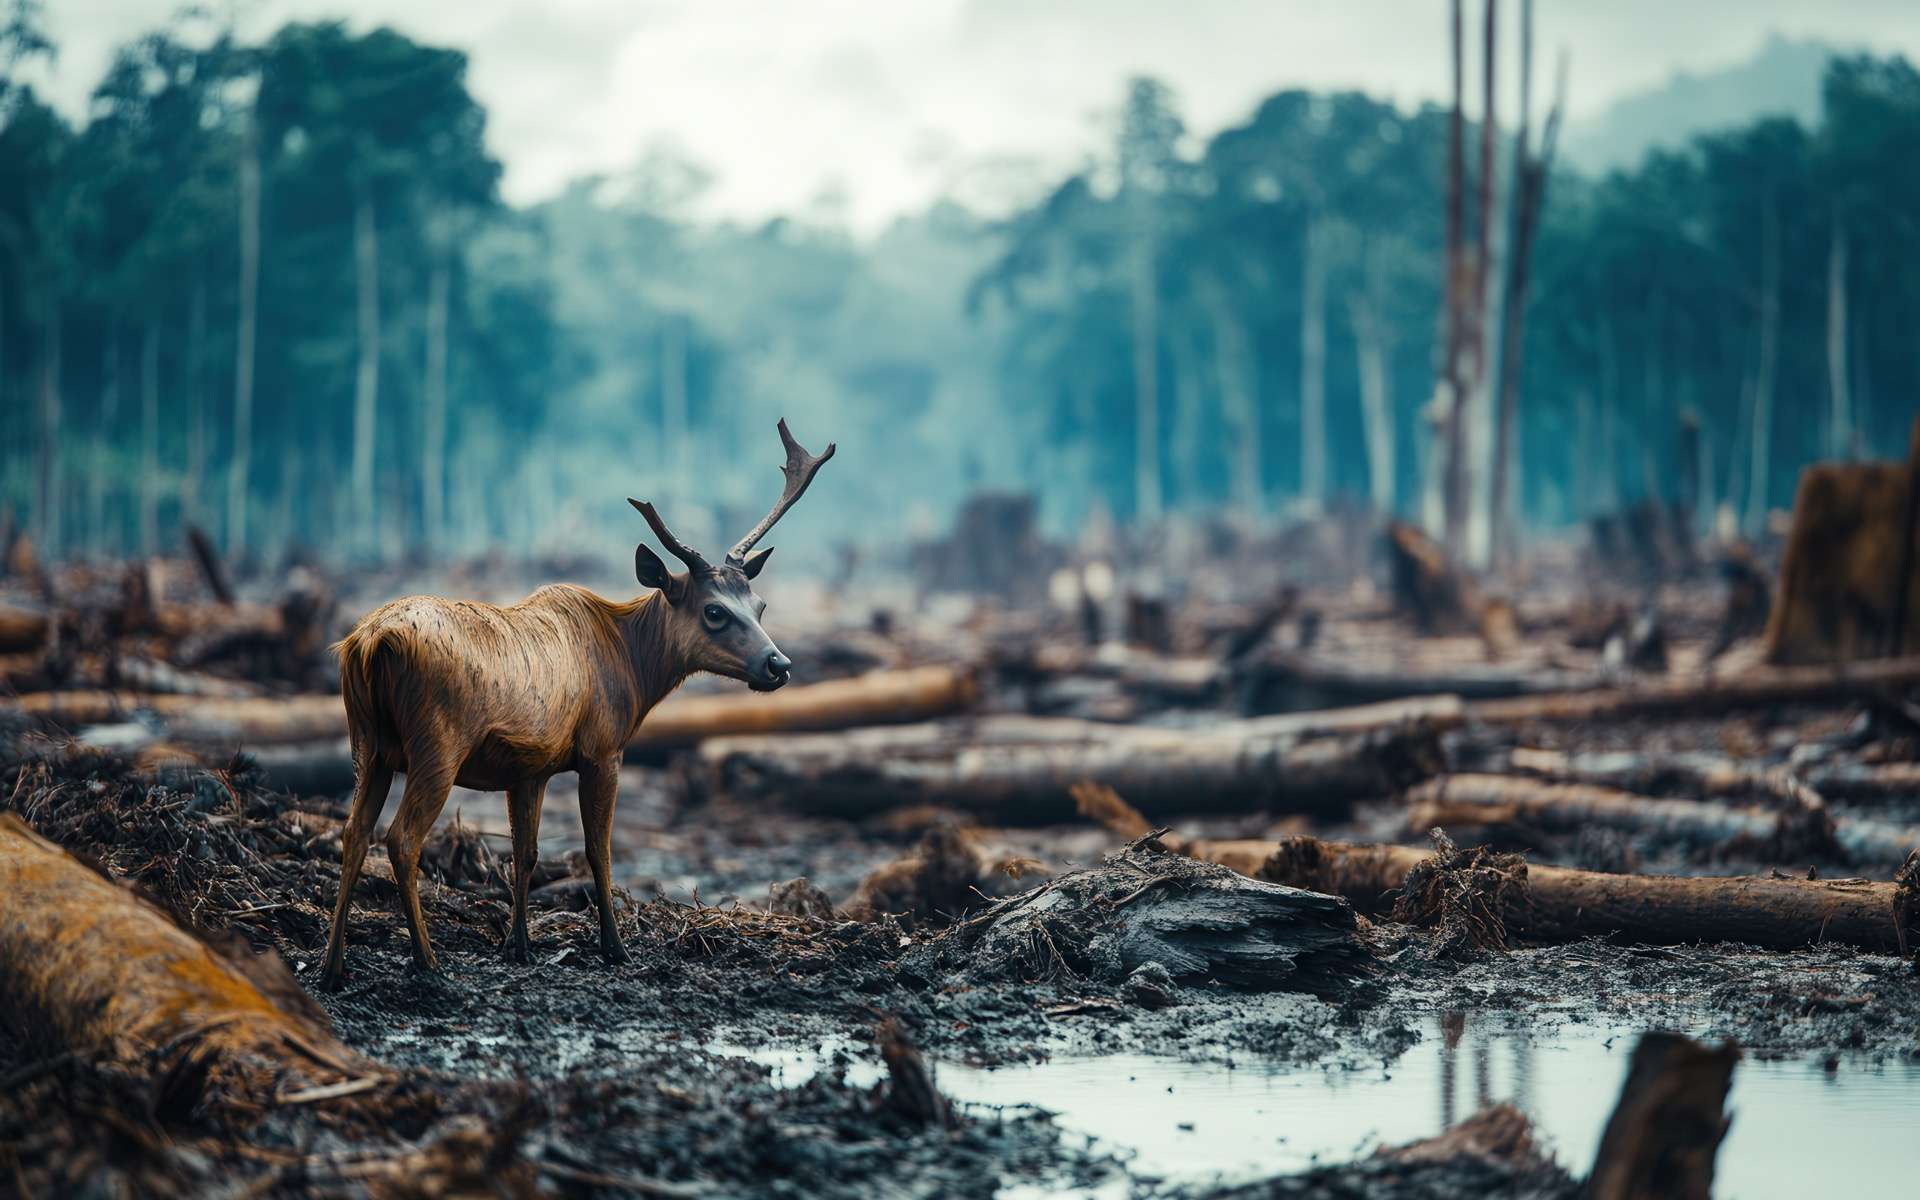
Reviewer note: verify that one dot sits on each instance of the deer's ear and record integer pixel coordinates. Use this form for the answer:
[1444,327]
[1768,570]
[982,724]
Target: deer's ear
[653,573]
[755,561]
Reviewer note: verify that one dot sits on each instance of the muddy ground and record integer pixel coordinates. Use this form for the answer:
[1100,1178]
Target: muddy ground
[576,1077]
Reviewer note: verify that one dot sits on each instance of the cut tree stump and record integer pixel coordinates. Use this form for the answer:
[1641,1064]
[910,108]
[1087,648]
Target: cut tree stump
[1667,1126]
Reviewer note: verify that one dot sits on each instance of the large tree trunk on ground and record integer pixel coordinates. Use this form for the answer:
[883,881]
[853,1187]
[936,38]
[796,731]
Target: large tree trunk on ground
[1805,830]
[1564,904]
[1761,687]
[366,377]
[240,458]
[1009,776]
[105,975]
[876,698]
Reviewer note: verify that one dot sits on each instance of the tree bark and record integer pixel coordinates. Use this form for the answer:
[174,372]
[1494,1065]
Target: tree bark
[107,975]
[1758,496]
[1563,904]
[433,459]
[150,439]
[1790,834]
[239,461]
[1313,362]
[1011,779]
[1840,440]
[366,379]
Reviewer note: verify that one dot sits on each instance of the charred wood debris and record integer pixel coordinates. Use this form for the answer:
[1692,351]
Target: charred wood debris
[1039,783]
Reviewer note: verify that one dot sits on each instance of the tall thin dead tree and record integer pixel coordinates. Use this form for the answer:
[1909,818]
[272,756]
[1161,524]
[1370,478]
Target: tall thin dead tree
[1313,359]
[433,448]
[366,379]
[1840,429]
[52,485]
[1237,380]
[239,460]
[1762,443]
[150,437]
[1447,411]
[1146,369]
[1530,172]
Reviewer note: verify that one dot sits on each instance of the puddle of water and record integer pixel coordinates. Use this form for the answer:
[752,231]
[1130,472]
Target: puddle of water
[1797,1129]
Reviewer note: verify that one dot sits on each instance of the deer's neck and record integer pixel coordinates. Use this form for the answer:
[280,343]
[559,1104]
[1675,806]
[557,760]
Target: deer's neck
[659,663]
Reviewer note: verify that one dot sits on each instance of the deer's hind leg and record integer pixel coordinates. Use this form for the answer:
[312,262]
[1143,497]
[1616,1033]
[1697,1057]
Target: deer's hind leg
[430,771]
[599,788]
[371,782]
[523,816]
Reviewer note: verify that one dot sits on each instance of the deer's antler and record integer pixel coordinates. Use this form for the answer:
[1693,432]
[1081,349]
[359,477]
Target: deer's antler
[800,469]
[676,547]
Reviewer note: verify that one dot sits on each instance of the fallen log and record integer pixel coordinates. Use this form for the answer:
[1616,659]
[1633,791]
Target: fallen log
[881,697]
[1004,779]
[876,698]
[1562,904]
[1667,1125]
[1803,830]
[1761,687]
[97,972]
[21,630]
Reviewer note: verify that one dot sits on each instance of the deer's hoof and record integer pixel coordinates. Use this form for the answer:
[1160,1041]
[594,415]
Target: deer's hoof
[332,976]
[614,952]
[518,951]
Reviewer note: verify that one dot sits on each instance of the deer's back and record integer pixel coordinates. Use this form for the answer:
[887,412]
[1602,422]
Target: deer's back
[516,691]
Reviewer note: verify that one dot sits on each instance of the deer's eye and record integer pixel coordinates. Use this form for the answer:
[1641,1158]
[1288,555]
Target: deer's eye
[715,616]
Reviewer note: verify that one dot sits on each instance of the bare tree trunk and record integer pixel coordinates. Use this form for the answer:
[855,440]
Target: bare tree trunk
[1448,411]
[1757,495]
[52,486]
[1476,496]
[1146,379]
[1233,363]
[366,379]
[102,471]
[1530,174]
[433,465]
[196,400]
[1376,400]
[1313,363]
[239,462]
[1840,436]
[150,438]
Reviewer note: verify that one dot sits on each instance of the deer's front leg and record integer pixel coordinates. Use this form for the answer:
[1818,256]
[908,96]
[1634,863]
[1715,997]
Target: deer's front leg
[599,788]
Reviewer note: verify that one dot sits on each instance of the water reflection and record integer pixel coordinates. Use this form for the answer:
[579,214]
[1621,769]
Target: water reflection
[1797,1128]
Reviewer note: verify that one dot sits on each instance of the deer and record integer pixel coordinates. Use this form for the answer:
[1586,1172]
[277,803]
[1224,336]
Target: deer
[499,698]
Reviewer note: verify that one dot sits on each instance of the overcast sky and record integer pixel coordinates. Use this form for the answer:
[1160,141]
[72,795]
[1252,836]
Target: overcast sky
[888,103]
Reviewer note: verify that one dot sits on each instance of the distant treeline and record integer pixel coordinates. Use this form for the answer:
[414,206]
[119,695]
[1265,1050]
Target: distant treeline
[272,289]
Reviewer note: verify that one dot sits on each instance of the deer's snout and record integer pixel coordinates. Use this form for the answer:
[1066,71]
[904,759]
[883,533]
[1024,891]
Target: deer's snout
[773,671]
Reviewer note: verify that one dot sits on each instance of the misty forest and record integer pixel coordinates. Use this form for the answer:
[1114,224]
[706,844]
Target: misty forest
[272,289]
[1371,650]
